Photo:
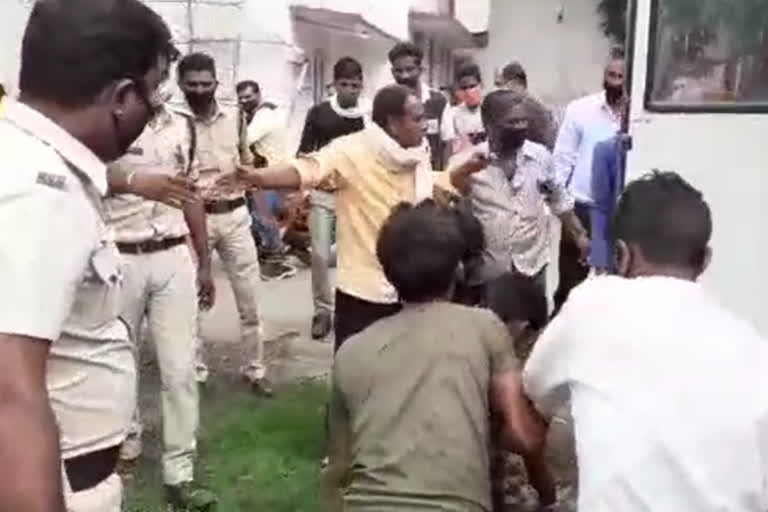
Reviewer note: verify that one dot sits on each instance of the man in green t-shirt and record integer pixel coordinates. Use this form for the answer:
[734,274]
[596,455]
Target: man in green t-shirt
[410,426]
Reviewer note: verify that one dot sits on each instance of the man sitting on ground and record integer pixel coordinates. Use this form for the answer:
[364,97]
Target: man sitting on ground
[412,393]
[667,387]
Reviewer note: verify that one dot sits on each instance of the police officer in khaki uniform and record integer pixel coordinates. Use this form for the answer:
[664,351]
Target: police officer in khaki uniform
[67,374]
[219,152]
[159,284]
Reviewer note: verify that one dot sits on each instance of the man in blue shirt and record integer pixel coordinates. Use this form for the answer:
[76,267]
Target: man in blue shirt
[608,178]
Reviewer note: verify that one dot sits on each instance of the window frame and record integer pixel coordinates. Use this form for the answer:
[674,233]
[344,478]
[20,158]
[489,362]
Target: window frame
[651,105]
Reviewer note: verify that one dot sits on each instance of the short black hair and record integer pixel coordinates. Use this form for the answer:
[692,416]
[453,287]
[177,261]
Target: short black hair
[347,67]
[389,102]
[73,49]
[2,90]
[516,297]
[406,49]
[469,69]
[497,103]
[666,218]
[515,72]
[247,84]
[419,248]
[197,61]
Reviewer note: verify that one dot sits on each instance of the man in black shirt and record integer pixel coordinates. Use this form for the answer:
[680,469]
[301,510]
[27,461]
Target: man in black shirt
[341,115]
[406,60]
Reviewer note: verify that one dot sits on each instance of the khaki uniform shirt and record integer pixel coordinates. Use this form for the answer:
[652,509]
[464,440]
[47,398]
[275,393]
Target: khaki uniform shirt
[60,277]
[163,148]
[410,409]
[217,152]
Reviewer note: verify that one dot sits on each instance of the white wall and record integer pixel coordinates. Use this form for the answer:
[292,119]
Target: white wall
[475,14]
[563,61]
[12,24]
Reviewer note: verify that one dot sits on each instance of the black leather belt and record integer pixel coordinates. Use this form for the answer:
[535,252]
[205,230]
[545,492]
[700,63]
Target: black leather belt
[149,246]
[224,205]
[89,470]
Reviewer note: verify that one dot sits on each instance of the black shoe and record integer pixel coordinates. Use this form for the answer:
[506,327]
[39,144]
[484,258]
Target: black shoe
[188,497]
[274,270]
[321,325]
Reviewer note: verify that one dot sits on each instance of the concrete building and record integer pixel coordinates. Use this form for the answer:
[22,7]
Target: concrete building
[290,46]
[563,55]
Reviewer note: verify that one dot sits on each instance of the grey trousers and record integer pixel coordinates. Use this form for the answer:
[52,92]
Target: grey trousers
[322,225]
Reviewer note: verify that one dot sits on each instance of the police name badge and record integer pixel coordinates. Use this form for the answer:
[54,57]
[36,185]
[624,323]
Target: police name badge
[56,181]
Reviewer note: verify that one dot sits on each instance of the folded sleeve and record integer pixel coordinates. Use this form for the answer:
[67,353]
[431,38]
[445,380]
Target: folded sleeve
[43,257]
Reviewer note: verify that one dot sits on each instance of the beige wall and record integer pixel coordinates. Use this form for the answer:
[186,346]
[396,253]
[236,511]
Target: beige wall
[563,60]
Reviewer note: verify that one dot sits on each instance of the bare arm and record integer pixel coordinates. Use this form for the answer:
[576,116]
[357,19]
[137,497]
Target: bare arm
[523,431]
[460,173]
[574,227]
[172,190]
[194,215]
[30,460]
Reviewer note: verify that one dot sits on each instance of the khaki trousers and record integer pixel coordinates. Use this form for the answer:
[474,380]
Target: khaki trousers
[229,234]
[105,497]
[163,286]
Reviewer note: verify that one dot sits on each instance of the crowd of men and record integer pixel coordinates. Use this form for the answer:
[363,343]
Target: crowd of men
[439,214]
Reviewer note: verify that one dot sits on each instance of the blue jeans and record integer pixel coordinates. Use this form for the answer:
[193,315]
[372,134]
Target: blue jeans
[264,226]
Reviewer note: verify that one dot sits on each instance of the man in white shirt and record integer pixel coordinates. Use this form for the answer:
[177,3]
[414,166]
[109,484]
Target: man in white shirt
[587,121]
[464,128]
[668,388]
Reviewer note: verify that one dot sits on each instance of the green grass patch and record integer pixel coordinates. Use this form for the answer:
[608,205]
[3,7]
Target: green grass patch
[256,454]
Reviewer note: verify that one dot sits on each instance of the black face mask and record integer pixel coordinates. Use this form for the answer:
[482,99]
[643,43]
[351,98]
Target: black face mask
[508,139]
[199,100]
[613,93]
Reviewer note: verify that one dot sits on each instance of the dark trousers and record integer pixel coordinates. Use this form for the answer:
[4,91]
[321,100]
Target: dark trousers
[352,315]
[572,270]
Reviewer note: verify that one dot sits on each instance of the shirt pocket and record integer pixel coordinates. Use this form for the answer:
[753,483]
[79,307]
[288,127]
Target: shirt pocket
[98,298]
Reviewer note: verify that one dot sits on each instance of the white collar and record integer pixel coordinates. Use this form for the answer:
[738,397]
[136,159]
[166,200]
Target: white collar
[75,152]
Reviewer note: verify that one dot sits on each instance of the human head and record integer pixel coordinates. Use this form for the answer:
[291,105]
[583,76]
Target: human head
[514,77]
[347,81]
[419,248]
[519,302]
[125,48]
[406,61]
[613,77]
[505,118]
[469,85]
[197,79]
[248,95]
[662,226]
[400,114]
[2,91]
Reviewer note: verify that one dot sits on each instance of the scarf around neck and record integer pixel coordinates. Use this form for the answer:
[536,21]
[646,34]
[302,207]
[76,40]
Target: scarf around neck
[362,109]
[398,159]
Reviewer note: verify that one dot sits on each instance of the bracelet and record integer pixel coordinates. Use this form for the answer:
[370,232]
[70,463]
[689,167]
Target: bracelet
[129,178]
